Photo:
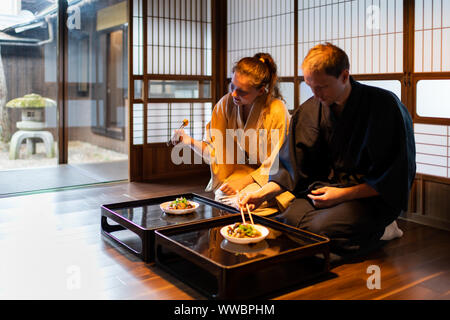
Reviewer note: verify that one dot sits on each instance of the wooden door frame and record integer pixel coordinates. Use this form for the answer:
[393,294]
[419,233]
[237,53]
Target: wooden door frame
[62,82]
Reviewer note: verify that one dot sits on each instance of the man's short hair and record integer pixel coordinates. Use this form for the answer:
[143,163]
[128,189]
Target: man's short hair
[328,58]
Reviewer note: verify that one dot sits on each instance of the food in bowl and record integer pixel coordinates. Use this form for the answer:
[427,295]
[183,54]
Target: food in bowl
[244,233]
[240,230]
[180,204]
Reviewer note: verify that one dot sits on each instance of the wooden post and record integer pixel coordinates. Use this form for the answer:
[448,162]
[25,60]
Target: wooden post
[5,131]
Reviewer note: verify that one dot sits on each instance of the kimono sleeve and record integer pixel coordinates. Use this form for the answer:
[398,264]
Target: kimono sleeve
[276,135]
[391,149]
[299,159]
[285,173]
[215,136]
[215,132]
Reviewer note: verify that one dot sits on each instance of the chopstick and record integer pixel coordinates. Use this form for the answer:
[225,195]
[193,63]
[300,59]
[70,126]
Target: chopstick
[249,214]
[183,124]
[242,214]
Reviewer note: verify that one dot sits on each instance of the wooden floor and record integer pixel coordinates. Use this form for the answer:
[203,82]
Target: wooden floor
[30,180]
[51,248]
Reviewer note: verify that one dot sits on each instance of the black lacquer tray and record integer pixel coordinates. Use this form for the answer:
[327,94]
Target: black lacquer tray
[200,256]
[143,217]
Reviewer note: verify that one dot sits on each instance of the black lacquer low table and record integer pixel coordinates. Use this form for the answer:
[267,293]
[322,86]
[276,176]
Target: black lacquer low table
[200,256]
[143,217]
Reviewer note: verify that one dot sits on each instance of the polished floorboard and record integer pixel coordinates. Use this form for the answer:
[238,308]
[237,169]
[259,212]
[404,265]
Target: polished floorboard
[25,181]
[51,248]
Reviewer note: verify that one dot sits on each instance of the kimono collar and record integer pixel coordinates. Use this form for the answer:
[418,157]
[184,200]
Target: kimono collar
[344,125]
[355,94]
[253,116]
[352,104]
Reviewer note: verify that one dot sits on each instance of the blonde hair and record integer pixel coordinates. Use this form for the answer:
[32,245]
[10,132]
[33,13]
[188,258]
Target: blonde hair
[328,58]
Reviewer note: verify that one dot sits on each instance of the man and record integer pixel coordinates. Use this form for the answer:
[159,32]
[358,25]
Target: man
[349,158]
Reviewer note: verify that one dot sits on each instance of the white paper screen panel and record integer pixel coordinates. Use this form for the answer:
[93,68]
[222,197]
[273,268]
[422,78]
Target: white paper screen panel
[138,125]
[261,26]
[432,149]
[369,31]
[160,130]
[179,37]
[137,41]
[432,36]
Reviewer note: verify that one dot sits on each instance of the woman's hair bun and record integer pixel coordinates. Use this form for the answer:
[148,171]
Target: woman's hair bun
[262,70]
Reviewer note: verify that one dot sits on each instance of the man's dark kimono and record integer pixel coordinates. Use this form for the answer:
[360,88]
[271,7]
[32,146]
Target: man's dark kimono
[371,141]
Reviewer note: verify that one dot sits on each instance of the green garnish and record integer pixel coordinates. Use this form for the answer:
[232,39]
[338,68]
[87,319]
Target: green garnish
[243,230]
[180,203]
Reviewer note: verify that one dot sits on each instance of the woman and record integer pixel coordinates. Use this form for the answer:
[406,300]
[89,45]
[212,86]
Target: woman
[247,128]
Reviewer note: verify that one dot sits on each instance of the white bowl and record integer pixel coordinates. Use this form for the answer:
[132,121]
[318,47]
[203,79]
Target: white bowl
[264,232]
[165,207]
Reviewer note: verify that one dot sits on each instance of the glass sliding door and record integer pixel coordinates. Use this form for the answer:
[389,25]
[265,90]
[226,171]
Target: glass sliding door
[28,84]
[97,88]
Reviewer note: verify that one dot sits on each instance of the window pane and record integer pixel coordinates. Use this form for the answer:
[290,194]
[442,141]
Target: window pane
[433,98]
[138,89]
[305,92]
[172,89]
[287,90]
[432,146]
[138,127]
[394,86]
[163,118]
[391,85]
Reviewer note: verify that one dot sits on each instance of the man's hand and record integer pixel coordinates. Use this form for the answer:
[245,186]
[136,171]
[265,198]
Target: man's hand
[328,196]
[253,199]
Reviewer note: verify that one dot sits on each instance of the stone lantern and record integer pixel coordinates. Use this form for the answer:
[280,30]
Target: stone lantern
[32,125]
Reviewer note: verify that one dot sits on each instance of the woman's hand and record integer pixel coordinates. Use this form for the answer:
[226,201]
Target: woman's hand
[253,199]
[180,136]
[234,186]
[328,196]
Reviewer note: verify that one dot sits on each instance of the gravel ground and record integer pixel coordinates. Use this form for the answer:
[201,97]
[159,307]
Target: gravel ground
[79,152]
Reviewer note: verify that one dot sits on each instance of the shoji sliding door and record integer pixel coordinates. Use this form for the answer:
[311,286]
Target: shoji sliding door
[172,80]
